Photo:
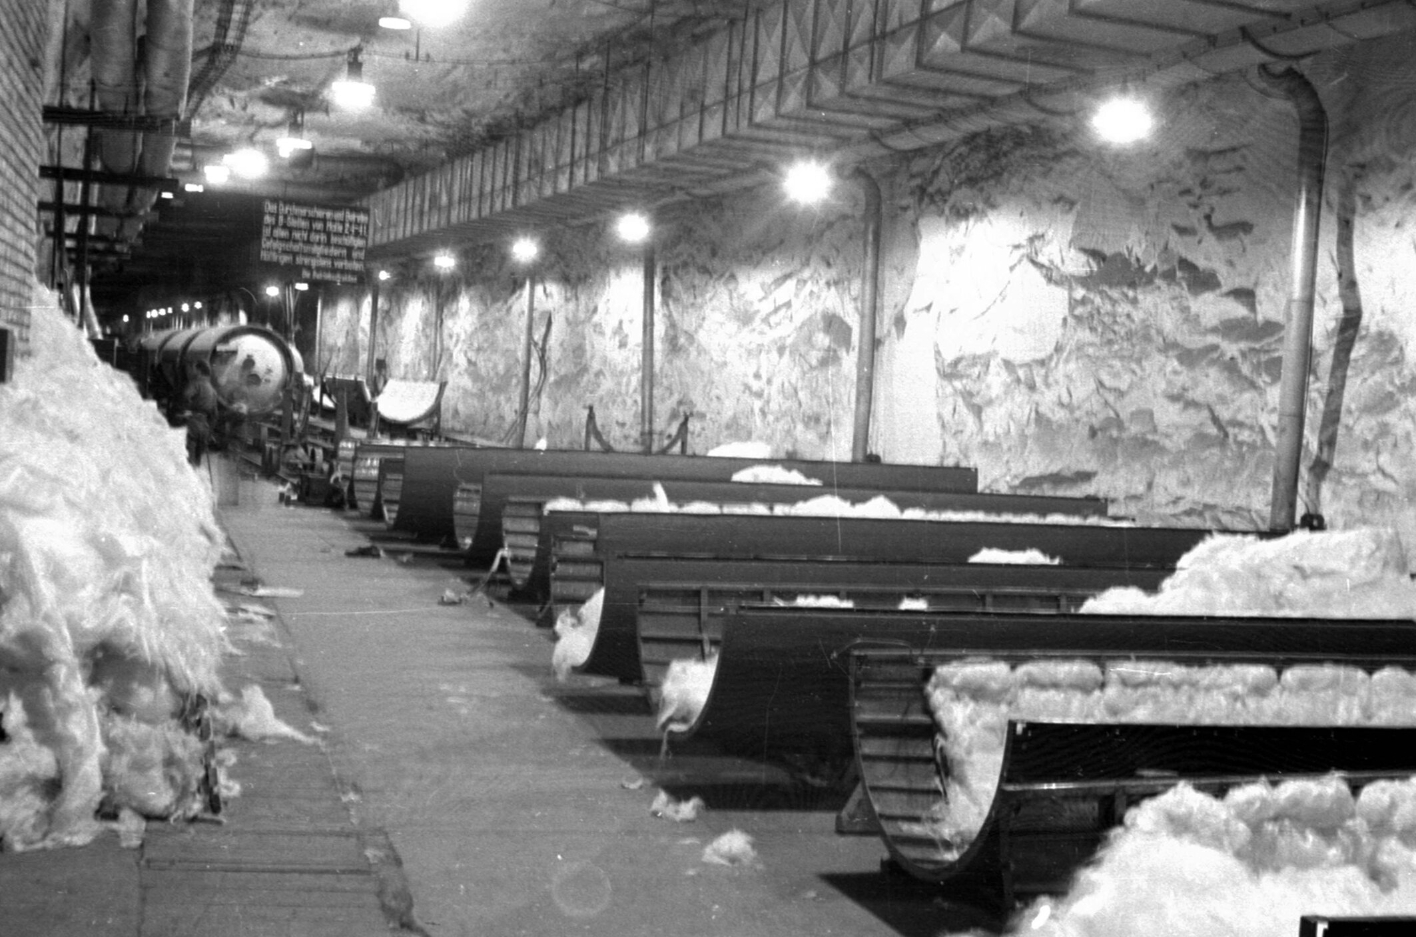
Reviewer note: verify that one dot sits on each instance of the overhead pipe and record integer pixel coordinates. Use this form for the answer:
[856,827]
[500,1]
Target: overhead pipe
[1298,337]
[869,315]
[113,65]
[167,66]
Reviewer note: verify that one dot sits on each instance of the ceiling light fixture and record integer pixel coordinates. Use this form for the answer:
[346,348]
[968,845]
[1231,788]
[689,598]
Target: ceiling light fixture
[808,182]
[633,227]
[294,140]
[1123,120]
[351,91]
[248,163]
[432,12]
[395,19]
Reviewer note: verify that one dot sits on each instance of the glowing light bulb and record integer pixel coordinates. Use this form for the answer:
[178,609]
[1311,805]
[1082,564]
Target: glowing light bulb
[247,163]
[1123,120]
[352,95]
[808,182]
[633,227]
[432,13]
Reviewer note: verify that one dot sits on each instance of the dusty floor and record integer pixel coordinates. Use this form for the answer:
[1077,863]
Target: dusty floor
[490,800]
[518,805]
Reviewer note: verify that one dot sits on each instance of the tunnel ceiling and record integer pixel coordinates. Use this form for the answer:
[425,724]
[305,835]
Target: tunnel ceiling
[536,112]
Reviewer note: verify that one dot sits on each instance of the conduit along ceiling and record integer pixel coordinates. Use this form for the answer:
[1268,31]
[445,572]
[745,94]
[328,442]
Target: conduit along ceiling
[520,113]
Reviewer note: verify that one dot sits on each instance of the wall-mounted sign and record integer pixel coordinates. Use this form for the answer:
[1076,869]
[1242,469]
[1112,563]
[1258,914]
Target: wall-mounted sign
[324,243]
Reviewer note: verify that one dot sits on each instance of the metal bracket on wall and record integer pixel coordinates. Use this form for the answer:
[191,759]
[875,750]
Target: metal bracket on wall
[593,434]
[76,208]
[102,177]
[7,355]
[679,438]
[102,120]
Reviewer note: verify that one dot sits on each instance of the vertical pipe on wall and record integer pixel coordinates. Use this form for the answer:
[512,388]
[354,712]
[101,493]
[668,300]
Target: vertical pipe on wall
[646,375]
[869,313]
[1298,337]
[524,405]
[437,329]
[319,330]
[373,331]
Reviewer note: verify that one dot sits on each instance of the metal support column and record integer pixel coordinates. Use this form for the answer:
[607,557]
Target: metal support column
[646,375]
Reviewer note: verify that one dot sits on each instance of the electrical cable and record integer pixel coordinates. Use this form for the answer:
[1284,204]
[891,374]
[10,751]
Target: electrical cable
[1026,96]
[1273,53]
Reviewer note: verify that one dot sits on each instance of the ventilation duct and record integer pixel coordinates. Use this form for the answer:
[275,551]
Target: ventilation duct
[166,67]
[113,61]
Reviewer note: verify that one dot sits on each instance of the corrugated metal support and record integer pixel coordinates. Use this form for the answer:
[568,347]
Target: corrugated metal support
[855,79]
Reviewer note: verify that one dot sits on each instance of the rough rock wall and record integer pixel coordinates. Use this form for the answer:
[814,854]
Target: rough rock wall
[462,328]
[344,333]
[1065,317]
[784,282]
[754,332]
[1112,322]
[1100,322]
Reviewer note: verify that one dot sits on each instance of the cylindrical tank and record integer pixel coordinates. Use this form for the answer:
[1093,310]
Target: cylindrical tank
[251,366]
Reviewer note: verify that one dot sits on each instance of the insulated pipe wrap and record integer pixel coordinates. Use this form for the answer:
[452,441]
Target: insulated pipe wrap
[114,68]
[166,70]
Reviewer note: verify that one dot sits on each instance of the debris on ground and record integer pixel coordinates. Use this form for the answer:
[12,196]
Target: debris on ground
[679,811]
[732,848]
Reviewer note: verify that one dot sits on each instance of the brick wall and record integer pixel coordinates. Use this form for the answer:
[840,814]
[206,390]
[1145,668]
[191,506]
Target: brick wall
[21,148]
